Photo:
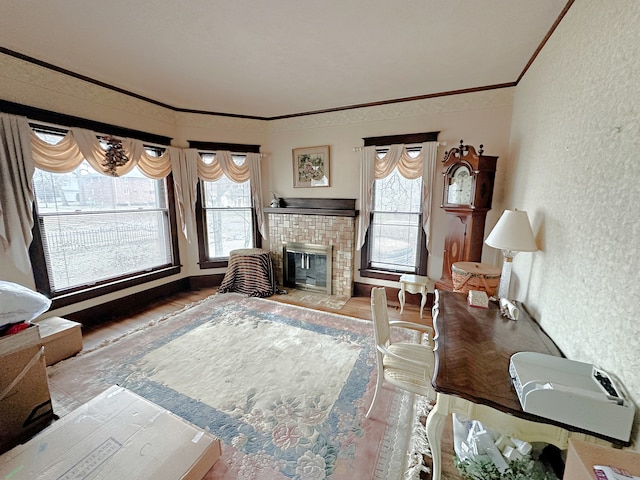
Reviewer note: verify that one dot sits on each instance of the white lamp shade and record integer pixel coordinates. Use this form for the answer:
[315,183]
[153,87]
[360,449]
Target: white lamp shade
[513,232]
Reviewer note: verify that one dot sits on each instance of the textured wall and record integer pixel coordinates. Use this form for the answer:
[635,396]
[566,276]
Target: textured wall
[575,148]
[33,85]
[478,118]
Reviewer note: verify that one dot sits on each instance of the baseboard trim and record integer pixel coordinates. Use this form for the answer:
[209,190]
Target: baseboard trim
[364,290]
[206,281]
[138,302]
[128,305]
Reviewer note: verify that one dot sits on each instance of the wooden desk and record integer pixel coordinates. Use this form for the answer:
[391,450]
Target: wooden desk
[473,347]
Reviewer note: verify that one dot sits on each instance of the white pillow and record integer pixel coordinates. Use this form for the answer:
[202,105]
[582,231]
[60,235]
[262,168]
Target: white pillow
[20,304]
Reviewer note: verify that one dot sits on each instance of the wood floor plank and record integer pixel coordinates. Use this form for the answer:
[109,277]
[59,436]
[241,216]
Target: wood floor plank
[357,307]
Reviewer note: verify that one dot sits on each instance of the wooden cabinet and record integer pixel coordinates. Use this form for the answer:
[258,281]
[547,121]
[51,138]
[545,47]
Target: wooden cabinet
[467,195]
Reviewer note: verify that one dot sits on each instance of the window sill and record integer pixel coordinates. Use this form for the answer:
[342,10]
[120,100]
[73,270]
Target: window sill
[219,263]
[381,275]
[65,299]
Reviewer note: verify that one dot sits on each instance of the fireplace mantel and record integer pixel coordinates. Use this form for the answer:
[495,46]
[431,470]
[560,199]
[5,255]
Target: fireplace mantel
[340,207]
[311,211]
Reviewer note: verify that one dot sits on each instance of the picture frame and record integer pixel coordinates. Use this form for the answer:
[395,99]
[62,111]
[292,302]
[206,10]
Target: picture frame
[311,167]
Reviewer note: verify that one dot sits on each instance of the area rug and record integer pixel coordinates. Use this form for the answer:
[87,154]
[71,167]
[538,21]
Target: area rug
[285,388]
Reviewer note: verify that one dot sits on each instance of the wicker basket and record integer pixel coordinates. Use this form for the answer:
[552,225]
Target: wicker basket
[475,276]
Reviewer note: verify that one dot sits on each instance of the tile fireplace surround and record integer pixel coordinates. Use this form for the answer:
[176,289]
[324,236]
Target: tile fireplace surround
[321,221]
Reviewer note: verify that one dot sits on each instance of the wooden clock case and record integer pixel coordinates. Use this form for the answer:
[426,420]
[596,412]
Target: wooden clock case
[465,232]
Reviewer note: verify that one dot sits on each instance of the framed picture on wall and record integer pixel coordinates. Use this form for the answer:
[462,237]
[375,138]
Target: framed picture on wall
[311,166]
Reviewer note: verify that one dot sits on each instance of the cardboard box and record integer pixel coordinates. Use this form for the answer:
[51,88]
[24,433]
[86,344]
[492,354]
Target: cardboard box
[117,435]
[25,402]
[582,456]
[61,338]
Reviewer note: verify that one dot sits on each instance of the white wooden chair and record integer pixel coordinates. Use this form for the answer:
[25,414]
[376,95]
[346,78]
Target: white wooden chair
[408,366]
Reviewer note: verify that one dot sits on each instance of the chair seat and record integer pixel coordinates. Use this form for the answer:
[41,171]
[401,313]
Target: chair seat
[407,375]
[413,351]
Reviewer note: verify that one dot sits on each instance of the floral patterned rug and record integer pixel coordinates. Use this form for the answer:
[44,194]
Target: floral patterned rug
[284,387]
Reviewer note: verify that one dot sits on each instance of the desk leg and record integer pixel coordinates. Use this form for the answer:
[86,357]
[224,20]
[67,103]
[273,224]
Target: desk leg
[423,302]
[435,427]
[401,297]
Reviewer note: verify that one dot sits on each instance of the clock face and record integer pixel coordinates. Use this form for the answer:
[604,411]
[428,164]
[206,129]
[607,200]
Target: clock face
[459,191]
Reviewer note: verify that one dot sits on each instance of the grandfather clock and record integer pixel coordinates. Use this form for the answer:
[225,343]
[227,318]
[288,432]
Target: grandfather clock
[467,194]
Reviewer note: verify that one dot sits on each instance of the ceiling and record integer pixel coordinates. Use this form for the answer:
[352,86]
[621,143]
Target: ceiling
[277,58]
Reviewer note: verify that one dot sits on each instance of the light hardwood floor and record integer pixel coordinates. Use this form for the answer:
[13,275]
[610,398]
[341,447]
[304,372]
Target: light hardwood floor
[357,307]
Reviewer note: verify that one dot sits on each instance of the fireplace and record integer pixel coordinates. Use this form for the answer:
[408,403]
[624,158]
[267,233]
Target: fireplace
[307,266]
[317,221]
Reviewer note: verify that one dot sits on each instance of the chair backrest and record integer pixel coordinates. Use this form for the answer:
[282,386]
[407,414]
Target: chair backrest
[380,315]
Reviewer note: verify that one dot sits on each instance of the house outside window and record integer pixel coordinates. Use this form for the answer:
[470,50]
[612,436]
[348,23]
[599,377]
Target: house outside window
[92,229]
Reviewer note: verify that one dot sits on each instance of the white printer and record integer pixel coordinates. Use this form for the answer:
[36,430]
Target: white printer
[574,393]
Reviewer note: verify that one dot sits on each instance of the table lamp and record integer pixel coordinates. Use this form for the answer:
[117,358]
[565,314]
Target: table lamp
[512,234]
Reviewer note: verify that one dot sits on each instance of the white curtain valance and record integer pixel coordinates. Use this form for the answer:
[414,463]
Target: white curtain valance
[398,156]
[80,144]
[223,163]
[374,168]
[22,150]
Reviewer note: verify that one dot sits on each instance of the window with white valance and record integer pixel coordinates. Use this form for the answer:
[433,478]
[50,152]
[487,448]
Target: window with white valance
[394,226]
[98,222]
[152,181]
[229,205]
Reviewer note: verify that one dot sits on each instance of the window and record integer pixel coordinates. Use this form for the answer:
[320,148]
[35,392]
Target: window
[391,233]
[394,236]
[396,221]
[226,219]
[92,229]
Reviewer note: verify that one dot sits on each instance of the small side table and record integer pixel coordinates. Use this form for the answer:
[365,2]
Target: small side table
[415,284]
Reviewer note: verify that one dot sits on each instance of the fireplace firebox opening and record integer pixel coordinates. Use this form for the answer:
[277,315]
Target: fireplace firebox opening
[307,266]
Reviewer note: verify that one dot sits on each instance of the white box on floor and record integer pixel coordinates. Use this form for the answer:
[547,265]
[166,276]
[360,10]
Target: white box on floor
[61,338]
[582,456]
[116,435]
